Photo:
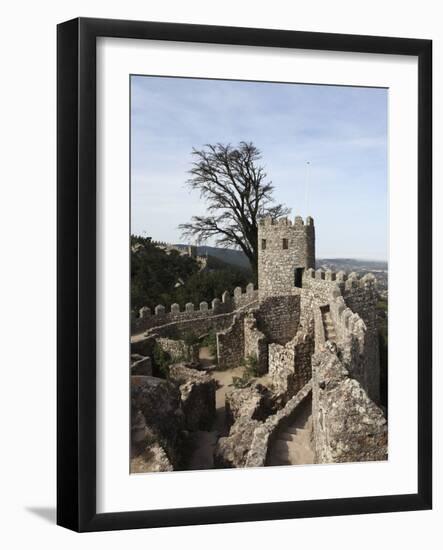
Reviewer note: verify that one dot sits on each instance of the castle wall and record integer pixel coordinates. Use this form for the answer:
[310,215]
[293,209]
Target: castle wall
[228,303]
[320,283]
[276,264]
[361,297]
[290,365]
[199,326]
[178,350]
[278,317]
[231,344]
[255,343]
[348,425]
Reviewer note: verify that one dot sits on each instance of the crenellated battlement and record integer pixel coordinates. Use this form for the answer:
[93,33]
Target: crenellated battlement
[350,281]
[285,222]
[227,303]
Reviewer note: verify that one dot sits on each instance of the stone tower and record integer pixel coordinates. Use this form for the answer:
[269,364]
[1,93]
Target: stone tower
[285,251]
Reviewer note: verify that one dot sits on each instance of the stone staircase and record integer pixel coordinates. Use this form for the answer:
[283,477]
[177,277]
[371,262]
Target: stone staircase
[292,443]
[328,326]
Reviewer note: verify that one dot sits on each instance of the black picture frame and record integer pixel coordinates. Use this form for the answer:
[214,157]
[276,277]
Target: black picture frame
[76,296]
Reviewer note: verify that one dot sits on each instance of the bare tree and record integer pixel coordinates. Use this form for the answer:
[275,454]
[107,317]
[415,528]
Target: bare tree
[235,189]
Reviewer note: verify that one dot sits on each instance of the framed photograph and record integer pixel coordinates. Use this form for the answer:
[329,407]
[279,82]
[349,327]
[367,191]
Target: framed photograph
[244,274]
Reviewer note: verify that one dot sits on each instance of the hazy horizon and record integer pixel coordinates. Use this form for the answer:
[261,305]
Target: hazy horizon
[340,131]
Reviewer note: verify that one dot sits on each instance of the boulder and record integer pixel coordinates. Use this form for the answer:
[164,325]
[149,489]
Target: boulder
[197,391]
[232,451]
[159,402]
[152,459]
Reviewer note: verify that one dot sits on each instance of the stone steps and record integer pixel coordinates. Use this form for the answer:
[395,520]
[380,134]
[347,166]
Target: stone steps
[292,444]
[328,326]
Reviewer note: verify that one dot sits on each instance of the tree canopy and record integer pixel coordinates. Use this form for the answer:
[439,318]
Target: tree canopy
[237,192]
[160,277]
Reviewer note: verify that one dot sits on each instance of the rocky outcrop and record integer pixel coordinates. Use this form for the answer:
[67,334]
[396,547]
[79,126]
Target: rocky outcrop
[232,451]
[157,403]
[147,455]
[197,390]
[140,365]
[152,459]
[255,402]
[246,408]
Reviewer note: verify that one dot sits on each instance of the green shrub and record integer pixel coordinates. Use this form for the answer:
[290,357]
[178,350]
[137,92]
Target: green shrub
[210,342]
[162,360]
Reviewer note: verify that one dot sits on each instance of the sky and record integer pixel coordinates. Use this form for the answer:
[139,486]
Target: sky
[340,131]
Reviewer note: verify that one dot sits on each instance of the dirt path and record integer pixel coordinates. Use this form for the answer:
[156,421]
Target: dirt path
[202,457]
[137,337]
[224,380]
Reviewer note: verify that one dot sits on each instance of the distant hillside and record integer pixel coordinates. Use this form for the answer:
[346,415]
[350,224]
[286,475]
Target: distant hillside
[351,264]
[238,258]
[227,255]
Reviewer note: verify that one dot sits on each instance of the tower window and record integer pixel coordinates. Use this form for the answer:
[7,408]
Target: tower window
[263,244]
[285,244]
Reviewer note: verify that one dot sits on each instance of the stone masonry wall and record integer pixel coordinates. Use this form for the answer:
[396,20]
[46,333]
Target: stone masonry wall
[348,425]
[279,317]
[255,343]
[282,247]
[200,326]
[361,297]
[320,283]
[352,302]
[178,350]
[231,344]
[290,365]
[227,304]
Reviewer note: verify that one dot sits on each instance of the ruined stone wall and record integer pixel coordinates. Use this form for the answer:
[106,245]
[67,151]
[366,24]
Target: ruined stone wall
[231,344]
[278,317]
[255,343]
[283,247]
[290,365]
[348,425]
[178,350]
[227,304]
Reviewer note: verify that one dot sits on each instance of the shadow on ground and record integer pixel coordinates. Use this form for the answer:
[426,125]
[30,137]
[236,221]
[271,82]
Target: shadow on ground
[48,514]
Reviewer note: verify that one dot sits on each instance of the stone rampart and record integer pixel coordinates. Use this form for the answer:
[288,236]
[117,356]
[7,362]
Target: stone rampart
[278,317]
[348,425]
[228,303]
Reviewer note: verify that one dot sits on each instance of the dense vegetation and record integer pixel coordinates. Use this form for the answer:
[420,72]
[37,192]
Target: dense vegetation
[164,278]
